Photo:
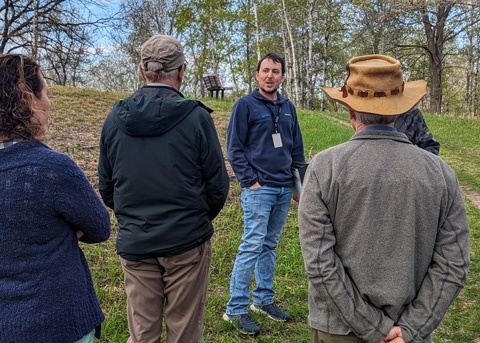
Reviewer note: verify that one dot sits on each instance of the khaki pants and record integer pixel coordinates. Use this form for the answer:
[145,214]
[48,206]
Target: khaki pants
[169,288]
[323,337]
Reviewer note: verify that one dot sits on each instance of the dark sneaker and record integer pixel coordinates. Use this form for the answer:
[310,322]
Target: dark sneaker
[273,312]
[243,323]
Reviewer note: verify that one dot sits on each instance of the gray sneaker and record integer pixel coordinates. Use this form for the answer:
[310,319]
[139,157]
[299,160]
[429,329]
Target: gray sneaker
[243,323]
[273,311]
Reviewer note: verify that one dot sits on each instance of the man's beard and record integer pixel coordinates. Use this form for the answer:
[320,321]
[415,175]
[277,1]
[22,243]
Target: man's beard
[269,92]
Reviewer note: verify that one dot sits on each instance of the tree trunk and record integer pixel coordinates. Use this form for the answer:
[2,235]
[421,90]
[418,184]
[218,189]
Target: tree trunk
[325,65]
[435,41]
[291,47]
[309,75]
[257,31]
[288,67]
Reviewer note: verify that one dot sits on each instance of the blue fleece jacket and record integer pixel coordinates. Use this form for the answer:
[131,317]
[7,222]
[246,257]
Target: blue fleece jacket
[46,291]
[250,146]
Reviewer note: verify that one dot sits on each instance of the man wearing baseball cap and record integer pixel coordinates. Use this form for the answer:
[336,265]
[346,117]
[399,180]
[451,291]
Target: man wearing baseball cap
[162,171]
[383,226]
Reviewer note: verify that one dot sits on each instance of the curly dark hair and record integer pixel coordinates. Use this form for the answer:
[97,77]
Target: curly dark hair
[20,84]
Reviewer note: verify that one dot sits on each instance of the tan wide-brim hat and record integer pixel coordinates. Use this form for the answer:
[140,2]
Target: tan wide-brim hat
[375,85]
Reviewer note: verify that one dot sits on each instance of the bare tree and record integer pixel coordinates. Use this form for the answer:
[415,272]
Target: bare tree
[19,17]
[140,20]
[56,32]
[64,55]
[443,21]
[472,51]
[435,41]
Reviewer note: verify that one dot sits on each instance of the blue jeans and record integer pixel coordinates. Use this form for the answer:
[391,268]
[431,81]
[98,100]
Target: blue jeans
[265,211]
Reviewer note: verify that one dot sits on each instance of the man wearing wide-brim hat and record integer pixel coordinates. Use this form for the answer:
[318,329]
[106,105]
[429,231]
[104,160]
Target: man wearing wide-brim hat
[383,226]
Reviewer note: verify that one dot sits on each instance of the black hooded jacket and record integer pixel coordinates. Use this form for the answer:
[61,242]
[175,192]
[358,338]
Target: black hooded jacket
[162,171]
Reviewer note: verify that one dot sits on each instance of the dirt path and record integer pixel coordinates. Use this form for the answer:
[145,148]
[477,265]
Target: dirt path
[470,194]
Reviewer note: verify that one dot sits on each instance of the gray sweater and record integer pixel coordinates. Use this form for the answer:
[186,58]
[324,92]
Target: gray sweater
[384,237]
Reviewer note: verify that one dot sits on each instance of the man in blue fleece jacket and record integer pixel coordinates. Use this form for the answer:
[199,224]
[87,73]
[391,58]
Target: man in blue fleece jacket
[263,141]
[383,227]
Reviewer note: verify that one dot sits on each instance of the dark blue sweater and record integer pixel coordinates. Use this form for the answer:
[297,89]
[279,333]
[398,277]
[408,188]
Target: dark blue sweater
[250,146]
[46,291]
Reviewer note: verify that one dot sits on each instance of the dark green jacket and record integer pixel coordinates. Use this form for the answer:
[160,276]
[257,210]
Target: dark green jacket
[162,171]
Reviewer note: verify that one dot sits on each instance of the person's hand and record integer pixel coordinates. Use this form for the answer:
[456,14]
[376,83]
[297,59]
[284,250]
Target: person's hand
[394,336]
[79,234]
[255,185]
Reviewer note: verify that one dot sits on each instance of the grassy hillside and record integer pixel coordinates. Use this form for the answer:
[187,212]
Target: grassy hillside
[459,139]
[75,124]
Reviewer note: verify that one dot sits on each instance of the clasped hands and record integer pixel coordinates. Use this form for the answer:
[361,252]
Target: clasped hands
[394,336]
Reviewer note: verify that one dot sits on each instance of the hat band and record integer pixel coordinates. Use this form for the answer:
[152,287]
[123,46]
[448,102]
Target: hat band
[370,93]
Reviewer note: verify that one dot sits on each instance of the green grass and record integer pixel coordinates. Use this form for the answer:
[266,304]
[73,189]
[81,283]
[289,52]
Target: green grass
[462,322]
[75,125]
[459,139]
[320,132]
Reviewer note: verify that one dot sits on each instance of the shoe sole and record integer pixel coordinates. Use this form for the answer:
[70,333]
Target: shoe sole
[250,333]
[259,310]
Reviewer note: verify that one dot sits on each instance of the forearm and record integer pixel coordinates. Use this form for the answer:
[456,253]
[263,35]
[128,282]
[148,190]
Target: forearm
[446,275]
[78,203]
[335,288]
[327,274]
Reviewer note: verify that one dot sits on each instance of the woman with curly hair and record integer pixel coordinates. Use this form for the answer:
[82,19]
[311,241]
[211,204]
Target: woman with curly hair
[46,206]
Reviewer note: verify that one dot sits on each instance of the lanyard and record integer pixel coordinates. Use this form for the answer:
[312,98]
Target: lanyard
[275,117]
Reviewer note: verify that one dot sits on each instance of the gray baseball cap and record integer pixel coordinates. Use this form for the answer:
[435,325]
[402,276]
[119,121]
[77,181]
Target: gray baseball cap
[162,52]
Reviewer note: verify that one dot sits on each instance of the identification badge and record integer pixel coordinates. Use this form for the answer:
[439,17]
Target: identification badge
[277,140]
